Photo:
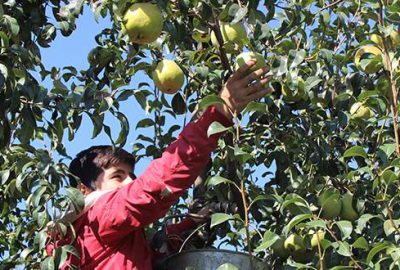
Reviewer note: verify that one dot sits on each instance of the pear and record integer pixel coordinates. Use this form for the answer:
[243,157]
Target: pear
[395,38]
[348,212]
[330,203]
[377,39]
[168,76]
[294,243]
[143,23]
[233,36]
[279,248]
[242,58]
[369,52]
[316,238]
[360,111]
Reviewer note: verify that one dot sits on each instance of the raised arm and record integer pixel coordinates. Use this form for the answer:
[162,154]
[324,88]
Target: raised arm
[149,197]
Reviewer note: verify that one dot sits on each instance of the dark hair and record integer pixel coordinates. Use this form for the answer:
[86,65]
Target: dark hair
[89,163]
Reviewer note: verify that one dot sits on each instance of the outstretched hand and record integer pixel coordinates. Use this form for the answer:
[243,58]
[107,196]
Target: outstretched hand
[243,87]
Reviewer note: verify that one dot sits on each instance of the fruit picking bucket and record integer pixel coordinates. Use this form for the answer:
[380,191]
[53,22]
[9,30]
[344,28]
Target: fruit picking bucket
[210,259]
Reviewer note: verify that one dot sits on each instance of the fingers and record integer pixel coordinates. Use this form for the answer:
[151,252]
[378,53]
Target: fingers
[258,85]
[258,94]
[242,71]
[254,75]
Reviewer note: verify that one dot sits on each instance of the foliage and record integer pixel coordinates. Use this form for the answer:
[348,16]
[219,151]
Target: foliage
[284,154]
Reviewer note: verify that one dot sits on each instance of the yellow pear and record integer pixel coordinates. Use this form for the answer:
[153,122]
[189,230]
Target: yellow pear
[294,243]
[395,38]
[143,23]
[233,36]
[359,111]
[369,52]
[377,39]
[348,211]
[168,76]
[242,58]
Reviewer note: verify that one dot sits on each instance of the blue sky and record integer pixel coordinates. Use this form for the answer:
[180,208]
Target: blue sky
[73,51]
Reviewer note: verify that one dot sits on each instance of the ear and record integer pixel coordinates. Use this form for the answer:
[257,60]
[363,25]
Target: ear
[84,189]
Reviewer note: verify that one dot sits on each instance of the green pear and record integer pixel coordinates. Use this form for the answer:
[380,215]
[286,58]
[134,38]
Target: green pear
[242,58]
[330,203]
[359,111]
[233,36]
[279,248]
[168,76]
[294,243]
[348,212]
[143,23]
[316,238]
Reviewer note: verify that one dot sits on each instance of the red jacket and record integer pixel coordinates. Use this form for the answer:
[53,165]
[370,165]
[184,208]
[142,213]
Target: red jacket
[110,235]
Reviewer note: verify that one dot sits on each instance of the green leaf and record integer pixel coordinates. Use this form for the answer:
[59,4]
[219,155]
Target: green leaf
[47,264]
[296,58]
[147,122]
[343,248]
[76,198]
[362,221]
[123,134]
[294,221]
[216,180]
[210,100]
[12,24]
[4,176]
[268,240]
[316,224]
[178,104]
[219,218]
[255,107]
[311,82]
[25,253]
[361,243]
[375,250]
[239,14]
[345,227]
[227,266]
[388,226]
[215,128]
[355,151]
[97,121]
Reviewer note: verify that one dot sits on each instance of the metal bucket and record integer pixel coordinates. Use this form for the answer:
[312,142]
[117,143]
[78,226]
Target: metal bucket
[210,259]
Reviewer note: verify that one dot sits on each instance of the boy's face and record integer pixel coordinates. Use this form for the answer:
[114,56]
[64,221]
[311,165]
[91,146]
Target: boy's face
[115,177]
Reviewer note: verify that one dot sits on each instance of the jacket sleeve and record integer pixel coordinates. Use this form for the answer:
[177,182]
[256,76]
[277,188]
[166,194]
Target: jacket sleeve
[149,197]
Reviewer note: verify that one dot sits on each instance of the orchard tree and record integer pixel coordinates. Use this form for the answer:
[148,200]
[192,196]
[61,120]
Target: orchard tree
[313,167]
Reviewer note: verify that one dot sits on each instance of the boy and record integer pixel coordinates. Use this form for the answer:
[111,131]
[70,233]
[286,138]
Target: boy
[109,233]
